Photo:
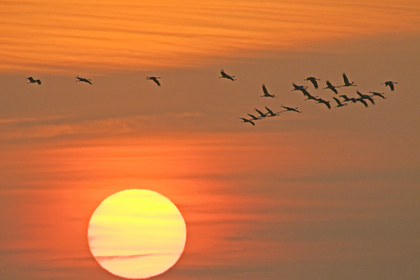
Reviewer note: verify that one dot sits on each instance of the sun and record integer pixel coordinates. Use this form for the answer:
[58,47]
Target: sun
[136,234]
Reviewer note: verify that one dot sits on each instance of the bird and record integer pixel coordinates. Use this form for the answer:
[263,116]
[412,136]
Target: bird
[302,89]
[309,96]
[261,113]
[154,79]
[32,80]
[266,94]
[347,99]
[79,79]
[361,101]
[390,84]
[271,113]
[346,81]
[331,87]
[313,80]
[291,109]
[365,96]
[339,103]
[381,95]
[327,103]
[248,121]
[254,118]
[226,76]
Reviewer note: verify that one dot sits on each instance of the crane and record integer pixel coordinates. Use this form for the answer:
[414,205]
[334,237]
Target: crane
[247,121]
[266,94]
[346,81]
[331,87]
[154,79]
[226,76]
[32,81]
[79,79]
[291,109]
[313,80]
[390,84]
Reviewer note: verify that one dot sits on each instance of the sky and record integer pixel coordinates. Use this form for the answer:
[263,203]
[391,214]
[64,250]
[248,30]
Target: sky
[325,194]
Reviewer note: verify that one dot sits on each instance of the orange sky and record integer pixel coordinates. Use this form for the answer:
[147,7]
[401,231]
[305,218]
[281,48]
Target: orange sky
[326,194]
[68,35]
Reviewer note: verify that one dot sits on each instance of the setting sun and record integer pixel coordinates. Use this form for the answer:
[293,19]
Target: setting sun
[136,234]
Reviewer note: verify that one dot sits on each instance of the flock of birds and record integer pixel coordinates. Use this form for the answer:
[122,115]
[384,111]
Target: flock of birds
[345,100]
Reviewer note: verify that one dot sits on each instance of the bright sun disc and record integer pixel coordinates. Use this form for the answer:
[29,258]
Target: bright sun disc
[136,234]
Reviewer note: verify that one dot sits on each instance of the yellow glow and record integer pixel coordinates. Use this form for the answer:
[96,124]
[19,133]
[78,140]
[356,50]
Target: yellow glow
[137,234]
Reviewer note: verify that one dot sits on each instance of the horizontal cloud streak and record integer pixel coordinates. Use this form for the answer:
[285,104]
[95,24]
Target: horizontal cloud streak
[132,35]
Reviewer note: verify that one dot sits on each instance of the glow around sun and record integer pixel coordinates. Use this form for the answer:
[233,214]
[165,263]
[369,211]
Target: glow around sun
[137,234]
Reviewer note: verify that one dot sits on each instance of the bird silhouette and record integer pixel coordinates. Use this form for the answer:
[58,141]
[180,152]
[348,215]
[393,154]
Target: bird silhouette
[347,99]
[365,96]
[346,81]
[32,81]
[331,87]
[271,113]
[266,94]
[390,84]
[381,95]
[154,79]
[361,101]
[254,118]
[226,76]
[291,109]
[263,115]
[79,79]
[339,103]
[247,121]
[313,80]
[327,103]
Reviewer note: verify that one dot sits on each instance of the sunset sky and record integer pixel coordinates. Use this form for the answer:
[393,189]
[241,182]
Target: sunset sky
[325,194]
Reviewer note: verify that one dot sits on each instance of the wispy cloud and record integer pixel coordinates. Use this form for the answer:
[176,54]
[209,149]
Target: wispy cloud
[135,35]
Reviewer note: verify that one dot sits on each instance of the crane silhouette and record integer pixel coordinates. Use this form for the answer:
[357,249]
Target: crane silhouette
[361,101]
[226,76]
[154,79]
[331,87]
[291,109]
[254,118]
[271,113]
[346,81]
[313,80]
[327,103]
[381,95]
[32,81]
[347,99]
[263,115]
[247,121]
[79,79]
[365,96]
[390,84]
[266,94]
[339,103]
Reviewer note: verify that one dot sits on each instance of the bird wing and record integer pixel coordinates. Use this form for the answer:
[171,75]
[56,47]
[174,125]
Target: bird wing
[265,90]
[346,81]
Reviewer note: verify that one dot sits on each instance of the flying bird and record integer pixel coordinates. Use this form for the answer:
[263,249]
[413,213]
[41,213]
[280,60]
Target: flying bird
[291,109]
[313,80]
[390,84]
[339,103]
[263,115]
[32,81]
[79,79]
[327,103]
[331,87]
[154,79]
[266,94]
[247,121]
[309,97]
[347,99]
[361,101]
[381,95]
[365,96]
[226,76]
[271,113]
[346,81]
[254,118]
